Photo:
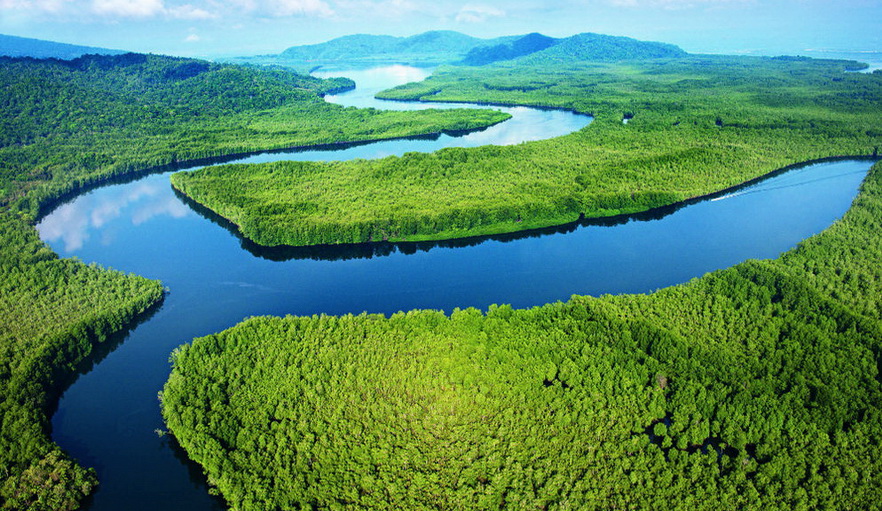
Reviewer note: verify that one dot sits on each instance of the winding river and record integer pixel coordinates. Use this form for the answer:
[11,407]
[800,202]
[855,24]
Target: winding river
[107,418]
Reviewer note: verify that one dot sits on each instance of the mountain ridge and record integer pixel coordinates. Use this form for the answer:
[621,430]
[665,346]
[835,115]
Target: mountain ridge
[433,47]
[15,46]
[449,47]
[525,45]
[603,48]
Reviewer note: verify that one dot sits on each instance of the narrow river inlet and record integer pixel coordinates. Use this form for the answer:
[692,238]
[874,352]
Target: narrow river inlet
[109,416]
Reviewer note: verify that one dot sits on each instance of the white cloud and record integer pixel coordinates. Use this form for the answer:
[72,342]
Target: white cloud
[148,9]
[247,5]
[478,13]
[674,5]
[301,8]
[285,8]
[192,38]
[190,12]
[50,6]
[128,8]
[382,8]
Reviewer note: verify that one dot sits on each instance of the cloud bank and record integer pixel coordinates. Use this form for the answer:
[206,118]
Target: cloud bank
[478,13]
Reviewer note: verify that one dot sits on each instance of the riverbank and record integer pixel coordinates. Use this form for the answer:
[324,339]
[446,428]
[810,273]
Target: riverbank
[735,130]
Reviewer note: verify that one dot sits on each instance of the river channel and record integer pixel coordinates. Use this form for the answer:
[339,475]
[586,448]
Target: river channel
[108,417]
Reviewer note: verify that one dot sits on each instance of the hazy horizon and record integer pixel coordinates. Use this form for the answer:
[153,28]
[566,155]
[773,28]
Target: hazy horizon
[208,28]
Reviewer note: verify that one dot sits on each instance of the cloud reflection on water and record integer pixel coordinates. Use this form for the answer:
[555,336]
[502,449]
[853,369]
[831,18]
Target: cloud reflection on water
[104,211]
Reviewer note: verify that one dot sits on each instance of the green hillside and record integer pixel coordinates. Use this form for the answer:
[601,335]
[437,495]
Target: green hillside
[343,48]
[448,47]
[435,47]
[602,48]
[530,43]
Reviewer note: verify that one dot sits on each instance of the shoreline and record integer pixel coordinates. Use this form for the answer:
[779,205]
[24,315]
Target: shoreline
[51,203]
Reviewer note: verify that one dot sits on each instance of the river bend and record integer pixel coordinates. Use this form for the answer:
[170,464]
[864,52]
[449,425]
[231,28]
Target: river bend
[108,417]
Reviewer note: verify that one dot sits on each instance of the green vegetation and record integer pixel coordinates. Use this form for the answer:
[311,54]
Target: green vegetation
[460,407]
[697,125]
[67,124]
[755,387]
[530,43]
[602,48]
[52,312]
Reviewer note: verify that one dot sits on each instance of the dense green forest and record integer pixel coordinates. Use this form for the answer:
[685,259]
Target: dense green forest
[755,387]
[67,124]
[52,312]
[699,124]
[696,125]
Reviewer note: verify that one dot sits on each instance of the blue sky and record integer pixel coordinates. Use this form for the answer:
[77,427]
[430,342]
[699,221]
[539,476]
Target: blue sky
[242,27]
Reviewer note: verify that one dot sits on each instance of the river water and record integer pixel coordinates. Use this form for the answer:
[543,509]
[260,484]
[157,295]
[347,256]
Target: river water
[107,418]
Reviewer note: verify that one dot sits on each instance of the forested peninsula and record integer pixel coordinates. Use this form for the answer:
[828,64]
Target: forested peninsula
[695,125]
[755,387]
[68,124]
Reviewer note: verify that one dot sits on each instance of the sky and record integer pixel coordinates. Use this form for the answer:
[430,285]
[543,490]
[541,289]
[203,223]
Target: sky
[212,28]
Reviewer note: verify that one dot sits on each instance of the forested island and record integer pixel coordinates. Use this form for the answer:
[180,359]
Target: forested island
[752,387]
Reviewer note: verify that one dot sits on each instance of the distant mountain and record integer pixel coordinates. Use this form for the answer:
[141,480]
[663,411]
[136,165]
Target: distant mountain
[530,43]
[603,48]
[12,46]
[429,48]
[448,47]
[343,48]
